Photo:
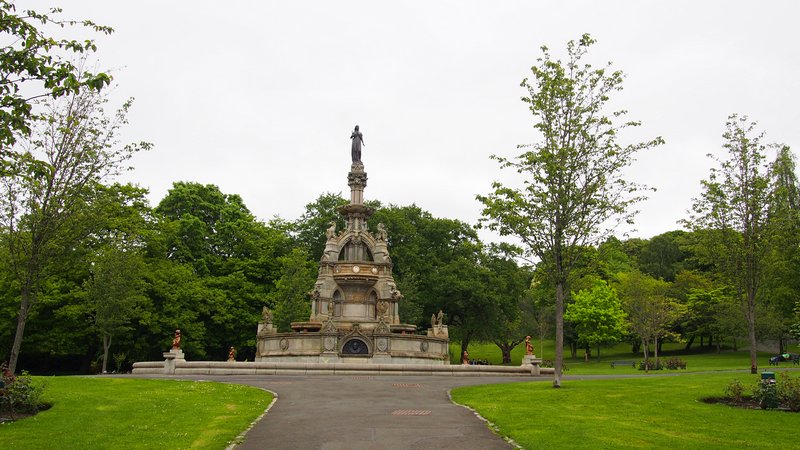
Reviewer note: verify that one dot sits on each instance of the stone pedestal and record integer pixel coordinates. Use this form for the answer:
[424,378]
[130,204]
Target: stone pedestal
[265,328]
[533,362]
[170,358]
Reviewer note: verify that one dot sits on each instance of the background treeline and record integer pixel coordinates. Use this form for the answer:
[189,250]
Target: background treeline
[201,262]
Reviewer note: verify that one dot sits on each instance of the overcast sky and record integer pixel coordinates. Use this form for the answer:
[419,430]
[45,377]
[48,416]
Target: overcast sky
[260,98]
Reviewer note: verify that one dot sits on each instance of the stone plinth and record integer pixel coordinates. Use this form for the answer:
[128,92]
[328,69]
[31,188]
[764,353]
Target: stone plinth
[533,362]
[172,357]
[439,331]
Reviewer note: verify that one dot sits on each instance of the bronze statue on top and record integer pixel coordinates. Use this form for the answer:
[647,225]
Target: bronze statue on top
[176,341]
[358,141]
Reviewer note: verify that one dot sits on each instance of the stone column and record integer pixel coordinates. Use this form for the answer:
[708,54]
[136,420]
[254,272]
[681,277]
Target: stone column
[357,180]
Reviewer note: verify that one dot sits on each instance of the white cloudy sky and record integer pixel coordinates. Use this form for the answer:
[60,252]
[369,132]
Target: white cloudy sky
[260,98]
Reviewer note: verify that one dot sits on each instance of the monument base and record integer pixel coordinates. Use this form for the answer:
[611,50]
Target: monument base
[533,362]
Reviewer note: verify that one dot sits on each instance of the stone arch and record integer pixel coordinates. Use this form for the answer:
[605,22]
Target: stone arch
[356,346]
[372,301]
[338,299]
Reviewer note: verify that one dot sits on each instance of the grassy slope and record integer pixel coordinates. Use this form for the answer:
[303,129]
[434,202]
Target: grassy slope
[696,361]
[129,413]
[644,412]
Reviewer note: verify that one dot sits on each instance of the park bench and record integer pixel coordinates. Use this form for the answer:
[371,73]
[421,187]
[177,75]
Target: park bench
[793,357]
[630,362]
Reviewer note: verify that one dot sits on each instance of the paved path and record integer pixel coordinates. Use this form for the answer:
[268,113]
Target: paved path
[367,412]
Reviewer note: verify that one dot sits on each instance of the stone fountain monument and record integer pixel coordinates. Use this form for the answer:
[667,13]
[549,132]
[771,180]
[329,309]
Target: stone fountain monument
[354,325]
[355,302]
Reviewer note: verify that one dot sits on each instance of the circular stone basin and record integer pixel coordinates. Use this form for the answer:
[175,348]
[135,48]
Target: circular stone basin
[306,326]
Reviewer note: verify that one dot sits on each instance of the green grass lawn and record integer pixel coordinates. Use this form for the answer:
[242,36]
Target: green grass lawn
[647,412]
[90,413]
[699,360]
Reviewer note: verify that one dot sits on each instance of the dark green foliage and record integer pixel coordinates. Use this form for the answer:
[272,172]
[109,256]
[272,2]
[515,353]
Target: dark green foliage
[662,257]
[290,299]
[309,229]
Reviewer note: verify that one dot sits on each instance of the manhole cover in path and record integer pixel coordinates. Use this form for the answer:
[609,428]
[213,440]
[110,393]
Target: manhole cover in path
[411,412]
[406,385]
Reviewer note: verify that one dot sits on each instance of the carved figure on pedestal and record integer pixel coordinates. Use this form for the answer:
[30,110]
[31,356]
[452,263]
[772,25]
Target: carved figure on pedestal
[528,346]
[465,358]
[331,305]
[355,148]
[330,233]
[176,341]
[440,319]
[266,315]
[433,321]
[382,236]
[396,295]
[232,354]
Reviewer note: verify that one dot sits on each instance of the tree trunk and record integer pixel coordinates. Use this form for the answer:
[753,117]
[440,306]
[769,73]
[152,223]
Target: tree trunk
[702,341]
[656,351]
[751,325]
[464,344]
[689,343]
[106,346]
[598,352]
[27,298]
[505,349]
[506,355]
[559,359]
[735,345]
[587,353]
[710,340]
[644,351]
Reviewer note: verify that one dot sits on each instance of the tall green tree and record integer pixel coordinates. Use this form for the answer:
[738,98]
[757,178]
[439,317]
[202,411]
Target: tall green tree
[52,181]
[782,281]
[309,229]
[115,293]
[573,186]
[597,315]
[290,300]
[234,258]
[733,209]
[649,308]
[35,64]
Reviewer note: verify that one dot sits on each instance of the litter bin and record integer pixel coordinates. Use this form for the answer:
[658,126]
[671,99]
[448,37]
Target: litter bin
[769,391]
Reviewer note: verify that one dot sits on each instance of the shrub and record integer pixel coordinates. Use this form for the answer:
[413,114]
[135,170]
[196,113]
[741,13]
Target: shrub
[675,363]
[549,363]
[734,391]
[648,364]
[789,391]
[19,394]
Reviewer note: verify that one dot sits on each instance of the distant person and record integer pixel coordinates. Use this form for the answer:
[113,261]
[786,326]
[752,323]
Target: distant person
[358,141]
